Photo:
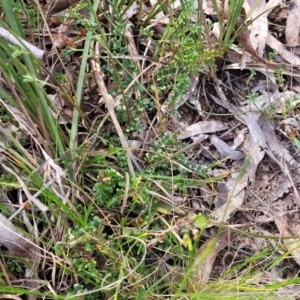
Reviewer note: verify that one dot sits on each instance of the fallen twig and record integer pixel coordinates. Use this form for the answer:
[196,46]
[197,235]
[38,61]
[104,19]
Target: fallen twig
[38,53]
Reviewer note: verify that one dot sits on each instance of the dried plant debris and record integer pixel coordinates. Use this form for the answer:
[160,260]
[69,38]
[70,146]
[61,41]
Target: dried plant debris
[201,128]
[207,255]
[292,28]
[225,150]
[259,25]
[21,248]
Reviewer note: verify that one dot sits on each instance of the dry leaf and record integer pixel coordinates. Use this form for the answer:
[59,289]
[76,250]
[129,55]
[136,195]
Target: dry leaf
[287,55]
[287,101]
[160,17]
[276,148]
[20,247]
[293,24]
[293,121]
[238,181]
[60,5]
[131,11]
[235,188]
[60,40]
[256,147]
[202,127]
[225,150]
[272,4]
[290,292]
[239,139]
[286,231]
[176,4]
[204,267]
[259,27]
[209,8]
[134,144]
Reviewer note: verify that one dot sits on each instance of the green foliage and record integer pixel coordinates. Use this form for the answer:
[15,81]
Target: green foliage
[251,98]
[5,115]
[160,150]
[14,266]
[251,76]
[279,77]
[108,192]
[180,48]
[15,68]
[272,54]
[290,104]
[180,164]
[228,30]
[179,84]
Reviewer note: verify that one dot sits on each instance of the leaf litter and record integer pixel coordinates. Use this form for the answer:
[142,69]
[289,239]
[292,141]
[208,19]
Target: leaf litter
[254,142]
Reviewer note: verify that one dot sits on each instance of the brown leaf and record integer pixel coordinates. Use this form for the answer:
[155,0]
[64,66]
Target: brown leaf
[61,5]
[293,24]
[206,262]
[287,55]
[225,150]
[244,40]
[259,26]
[202,127]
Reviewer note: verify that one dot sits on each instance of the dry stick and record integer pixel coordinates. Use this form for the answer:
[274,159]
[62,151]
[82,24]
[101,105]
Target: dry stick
[109,102]
[131,45]
[133,51]
[42,207]
[38,53]
[125,197]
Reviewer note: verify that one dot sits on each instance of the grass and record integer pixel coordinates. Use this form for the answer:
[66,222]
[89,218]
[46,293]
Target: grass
[105,231]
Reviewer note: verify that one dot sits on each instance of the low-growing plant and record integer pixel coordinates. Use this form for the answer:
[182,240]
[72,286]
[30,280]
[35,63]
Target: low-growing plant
[279,77]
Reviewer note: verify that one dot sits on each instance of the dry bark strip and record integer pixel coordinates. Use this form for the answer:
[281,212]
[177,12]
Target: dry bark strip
[109,102]
[293,24]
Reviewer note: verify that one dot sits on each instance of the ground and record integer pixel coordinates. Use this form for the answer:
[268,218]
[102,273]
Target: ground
[149,150]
